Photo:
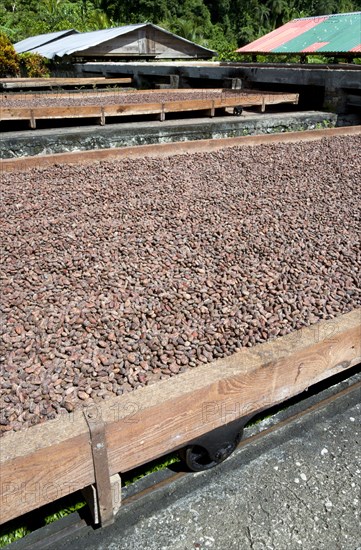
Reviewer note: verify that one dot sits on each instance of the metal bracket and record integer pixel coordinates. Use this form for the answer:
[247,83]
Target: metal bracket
[104,501]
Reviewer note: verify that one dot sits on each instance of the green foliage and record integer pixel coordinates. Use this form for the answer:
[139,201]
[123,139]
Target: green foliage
[63,512]
[56,15]
[20,19]
[150,468]
[222,25]
[18,528]
[324,124]
[9,60]
[16,534]
[34,65]
[223,43]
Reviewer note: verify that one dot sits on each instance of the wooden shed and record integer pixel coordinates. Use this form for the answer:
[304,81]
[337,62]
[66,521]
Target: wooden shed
[146,41]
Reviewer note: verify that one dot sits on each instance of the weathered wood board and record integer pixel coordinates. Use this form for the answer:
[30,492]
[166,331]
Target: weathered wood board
[48,461]
[19,83]
[131,109]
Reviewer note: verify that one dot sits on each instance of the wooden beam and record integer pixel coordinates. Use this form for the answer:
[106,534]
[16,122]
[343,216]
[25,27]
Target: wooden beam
[29,97]
[17,83]
[48,461]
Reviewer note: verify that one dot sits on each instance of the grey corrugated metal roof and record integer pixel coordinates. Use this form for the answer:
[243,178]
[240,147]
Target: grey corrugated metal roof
[83,41]
[182,39]
[40,40]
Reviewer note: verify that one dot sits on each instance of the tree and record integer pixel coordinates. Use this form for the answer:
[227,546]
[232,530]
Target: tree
[9,59]
[34,65]
[218,24]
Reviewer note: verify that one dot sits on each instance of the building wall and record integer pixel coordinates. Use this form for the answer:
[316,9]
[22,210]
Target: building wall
[146,41]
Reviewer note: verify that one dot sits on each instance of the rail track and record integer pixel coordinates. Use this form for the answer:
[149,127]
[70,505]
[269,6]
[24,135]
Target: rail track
[310,404]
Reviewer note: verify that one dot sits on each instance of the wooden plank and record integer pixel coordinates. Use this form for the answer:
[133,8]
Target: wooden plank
[229,101]
[169,149]
[51,460]
[28,96]
[15,83]
[32,119]
[16,113]
[236,98]
[24,113]
[88,111]
[131,109]
[247,100]
[74,94]
[187,105]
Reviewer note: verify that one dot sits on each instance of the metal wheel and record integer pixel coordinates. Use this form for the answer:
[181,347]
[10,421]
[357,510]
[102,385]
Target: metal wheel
[197,458]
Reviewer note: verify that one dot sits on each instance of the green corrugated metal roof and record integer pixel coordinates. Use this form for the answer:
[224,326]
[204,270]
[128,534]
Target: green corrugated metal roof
[339,33]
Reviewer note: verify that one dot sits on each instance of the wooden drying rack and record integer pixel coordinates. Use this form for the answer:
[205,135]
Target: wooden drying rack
[159,109]
[45,462]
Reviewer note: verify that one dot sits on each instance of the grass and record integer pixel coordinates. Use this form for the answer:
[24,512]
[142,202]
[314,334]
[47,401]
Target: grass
[20,527]
[150,468]
[54,516]
[16,534]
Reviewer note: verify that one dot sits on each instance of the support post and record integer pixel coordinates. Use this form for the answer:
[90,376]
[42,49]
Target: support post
[212,111]
[174,81]
[232,83]
[334,99]
[162,114]
[32,120]
[90,495]
[102,117]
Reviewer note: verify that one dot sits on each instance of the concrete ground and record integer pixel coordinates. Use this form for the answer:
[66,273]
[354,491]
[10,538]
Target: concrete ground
[297,488]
